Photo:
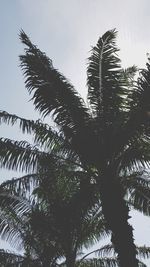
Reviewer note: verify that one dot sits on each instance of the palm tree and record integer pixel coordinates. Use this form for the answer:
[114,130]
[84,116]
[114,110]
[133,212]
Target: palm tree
[48,224]
[45,242]
[35,245]
[108,137]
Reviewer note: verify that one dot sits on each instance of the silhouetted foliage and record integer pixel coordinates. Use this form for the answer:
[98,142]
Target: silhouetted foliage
[104,145]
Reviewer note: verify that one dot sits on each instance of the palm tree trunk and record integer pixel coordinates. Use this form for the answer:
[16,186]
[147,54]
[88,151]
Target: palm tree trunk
[116,213]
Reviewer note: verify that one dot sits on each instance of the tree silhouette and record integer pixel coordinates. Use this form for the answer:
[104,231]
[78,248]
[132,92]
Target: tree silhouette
[48,224]
[39,229]
[105,139]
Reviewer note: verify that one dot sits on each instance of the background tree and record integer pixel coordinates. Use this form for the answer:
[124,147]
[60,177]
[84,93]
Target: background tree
[41,233]
[53,221]
[50,224]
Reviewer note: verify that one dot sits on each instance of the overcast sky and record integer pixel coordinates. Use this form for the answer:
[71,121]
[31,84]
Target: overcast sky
[66,30]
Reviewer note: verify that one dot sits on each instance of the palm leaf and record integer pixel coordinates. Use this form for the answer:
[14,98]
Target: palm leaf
[102,252]
[22,156]
[129,86]
[18,155]
[93,227]
[143,252]
[137,123]
[52,92]
[104,78]
[136,155]
[142,93]
[43,134]
[95,262]
[22,186]
[108,250]
[13,212]
[136,187]
[105,262]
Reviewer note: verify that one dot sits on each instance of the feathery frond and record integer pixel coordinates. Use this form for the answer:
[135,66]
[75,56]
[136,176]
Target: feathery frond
[137,188]
[143,252]
[22,186]
[43,134]
[20,155]
[52,92]
[105,78]
[95,262]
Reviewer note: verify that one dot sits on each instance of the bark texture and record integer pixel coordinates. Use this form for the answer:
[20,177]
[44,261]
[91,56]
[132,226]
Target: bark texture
[116,213]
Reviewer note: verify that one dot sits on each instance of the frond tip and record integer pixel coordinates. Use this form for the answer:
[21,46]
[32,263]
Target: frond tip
[52,93]
[103,74]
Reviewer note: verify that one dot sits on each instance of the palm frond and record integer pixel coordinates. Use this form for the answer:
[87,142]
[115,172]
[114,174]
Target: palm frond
[20,155]
[52,92]
[142,93]
[108,251]
[22,186]
[43,134]
[139,198]
[128,75]
[105,78]
[136,155]
[105,251]
[143,252]
[105,262]
[137,123]
[11,202]
[95,262]
[138,188]
[93,227]
[12,220]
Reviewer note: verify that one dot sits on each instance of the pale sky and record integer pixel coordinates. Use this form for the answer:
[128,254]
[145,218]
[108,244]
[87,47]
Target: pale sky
[66,30]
